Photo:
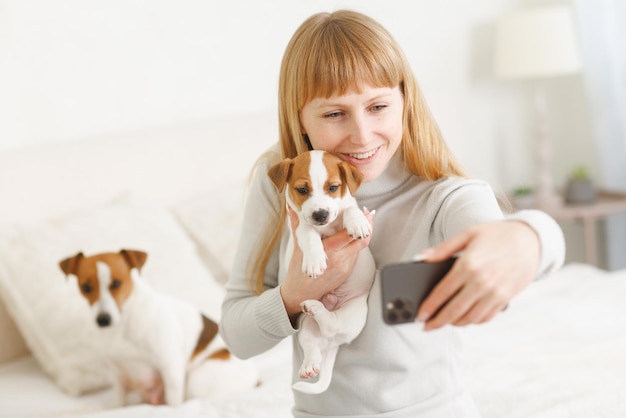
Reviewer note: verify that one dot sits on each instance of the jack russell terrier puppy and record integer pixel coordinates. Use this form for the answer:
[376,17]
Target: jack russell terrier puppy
[320,188]
[164,350]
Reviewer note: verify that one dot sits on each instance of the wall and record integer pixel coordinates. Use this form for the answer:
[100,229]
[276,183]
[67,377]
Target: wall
[80,69]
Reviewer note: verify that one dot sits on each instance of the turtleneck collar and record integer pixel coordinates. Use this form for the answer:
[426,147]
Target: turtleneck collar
[394,176]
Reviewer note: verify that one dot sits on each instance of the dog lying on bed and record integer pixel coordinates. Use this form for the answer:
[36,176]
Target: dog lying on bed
[320,188]
[164,350]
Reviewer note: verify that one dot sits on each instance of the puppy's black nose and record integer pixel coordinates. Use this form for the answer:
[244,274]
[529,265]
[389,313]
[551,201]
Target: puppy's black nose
[103,320]
[320,216]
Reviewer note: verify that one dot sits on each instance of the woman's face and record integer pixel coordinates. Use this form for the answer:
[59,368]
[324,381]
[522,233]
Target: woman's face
[364,129]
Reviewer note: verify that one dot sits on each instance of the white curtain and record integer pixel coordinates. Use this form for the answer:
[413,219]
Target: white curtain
[603,39]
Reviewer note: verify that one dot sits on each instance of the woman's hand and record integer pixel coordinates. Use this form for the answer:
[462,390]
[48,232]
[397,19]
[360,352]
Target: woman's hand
[497,261]
[341,251]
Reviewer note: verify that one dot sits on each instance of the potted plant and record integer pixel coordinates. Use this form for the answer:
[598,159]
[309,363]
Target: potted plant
[523,197]
[580,188]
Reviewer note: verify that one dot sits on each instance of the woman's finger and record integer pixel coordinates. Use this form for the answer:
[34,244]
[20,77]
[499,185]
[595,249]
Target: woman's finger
[448,248]
[441,294]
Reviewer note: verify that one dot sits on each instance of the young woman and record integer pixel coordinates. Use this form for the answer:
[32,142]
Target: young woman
[346,87]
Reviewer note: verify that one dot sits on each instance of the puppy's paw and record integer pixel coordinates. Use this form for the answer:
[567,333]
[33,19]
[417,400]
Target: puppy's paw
[357,225]
[308,370]
[314,264]
[312,307]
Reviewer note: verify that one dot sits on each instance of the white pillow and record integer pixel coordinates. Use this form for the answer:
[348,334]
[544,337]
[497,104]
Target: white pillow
[47,308]
[213,220]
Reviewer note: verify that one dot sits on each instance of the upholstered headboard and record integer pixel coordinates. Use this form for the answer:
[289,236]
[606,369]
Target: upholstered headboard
[161,165]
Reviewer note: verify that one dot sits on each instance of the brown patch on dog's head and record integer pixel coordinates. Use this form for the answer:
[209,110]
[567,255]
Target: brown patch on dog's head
[135,258]
[119,264]
[295,173]
[341,177]
[350,177]
[280,172]
[70,265]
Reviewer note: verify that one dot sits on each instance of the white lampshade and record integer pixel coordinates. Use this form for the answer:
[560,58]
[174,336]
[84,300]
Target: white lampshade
[538,42]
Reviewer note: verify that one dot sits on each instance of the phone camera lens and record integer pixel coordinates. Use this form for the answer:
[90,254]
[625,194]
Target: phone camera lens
[399,310]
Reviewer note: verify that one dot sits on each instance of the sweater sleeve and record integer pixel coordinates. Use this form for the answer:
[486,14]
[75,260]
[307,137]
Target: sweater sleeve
[550,237]
[471,202]
[252,324]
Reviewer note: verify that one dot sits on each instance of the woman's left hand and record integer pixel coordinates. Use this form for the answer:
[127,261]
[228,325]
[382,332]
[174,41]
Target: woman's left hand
[497,260]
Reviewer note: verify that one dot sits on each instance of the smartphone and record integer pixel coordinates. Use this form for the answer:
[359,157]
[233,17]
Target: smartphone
[406,285]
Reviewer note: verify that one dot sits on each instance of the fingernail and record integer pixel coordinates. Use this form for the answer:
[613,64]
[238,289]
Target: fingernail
[424,254]
[420,324]
[423,316]
[367,211]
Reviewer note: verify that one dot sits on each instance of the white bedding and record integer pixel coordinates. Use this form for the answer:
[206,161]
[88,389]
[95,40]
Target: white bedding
[25,391]
[559,350]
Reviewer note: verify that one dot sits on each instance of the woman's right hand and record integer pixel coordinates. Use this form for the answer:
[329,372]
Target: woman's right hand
[341,251]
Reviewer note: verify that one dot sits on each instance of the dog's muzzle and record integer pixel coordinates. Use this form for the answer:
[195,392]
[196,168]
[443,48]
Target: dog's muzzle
[320,217]
[103,319]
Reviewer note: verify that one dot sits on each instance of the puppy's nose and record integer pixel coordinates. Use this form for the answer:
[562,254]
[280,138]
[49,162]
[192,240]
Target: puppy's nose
[320,216]
[103,320]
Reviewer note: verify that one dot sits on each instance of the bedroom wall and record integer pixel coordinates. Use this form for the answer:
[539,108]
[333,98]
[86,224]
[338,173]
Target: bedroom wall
[79,69]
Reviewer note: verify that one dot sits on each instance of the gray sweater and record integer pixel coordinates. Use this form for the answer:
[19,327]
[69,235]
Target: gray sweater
[387,371]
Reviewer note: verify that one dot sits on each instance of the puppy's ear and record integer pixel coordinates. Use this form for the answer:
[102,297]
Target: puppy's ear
[134,258]
[70,265]
[351,175]
[279,173]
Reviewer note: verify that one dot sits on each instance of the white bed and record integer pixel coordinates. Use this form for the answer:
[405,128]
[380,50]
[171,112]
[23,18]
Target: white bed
[559,350]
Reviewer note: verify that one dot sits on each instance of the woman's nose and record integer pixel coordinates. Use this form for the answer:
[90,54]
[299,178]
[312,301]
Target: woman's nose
[360,131]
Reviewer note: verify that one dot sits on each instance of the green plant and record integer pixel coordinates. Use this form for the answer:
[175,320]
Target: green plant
[522,191]
[579,173]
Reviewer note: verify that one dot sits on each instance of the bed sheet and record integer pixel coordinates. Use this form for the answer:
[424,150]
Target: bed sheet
[558,351]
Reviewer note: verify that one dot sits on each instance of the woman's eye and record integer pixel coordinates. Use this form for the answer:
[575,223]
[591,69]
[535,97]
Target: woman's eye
[302,190]
[378,108]
[116,283]
[86,288]
[333,115]
[333,188]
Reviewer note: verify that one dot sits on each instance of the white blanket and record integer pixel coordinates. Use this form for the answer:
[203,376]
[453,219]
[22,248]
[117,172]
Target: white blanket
[559,350]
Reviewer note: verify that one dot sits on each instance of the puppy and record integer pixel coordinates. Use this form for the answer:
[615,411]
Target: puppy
[163,349]
[319,189]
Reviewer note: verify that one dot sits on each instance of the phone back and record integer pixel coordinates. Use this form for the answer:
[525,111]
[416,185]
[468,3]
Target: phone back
[406,285]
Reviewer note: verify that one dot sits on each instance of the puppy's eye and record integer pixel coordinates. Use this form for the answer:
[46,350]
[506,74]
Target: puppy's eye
[333,188]
[116,283]
[302,190]
[86,288]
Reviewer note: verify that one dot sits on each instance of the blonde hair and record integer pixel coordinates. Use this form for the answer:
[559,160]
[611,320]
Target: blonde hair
[330,54]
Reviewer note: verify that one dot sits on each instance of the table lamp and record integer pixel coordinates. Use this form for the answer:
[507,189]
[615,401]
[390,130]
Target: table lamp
[535,44]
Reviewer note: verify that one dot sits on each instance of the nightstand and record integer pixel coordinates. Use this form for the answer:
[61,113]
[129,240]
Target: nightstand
[605,205]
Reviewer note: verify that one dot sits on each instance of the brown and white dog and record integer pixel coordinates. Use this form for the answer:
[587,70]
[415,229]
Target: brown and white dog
[163,349]
[319,188]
